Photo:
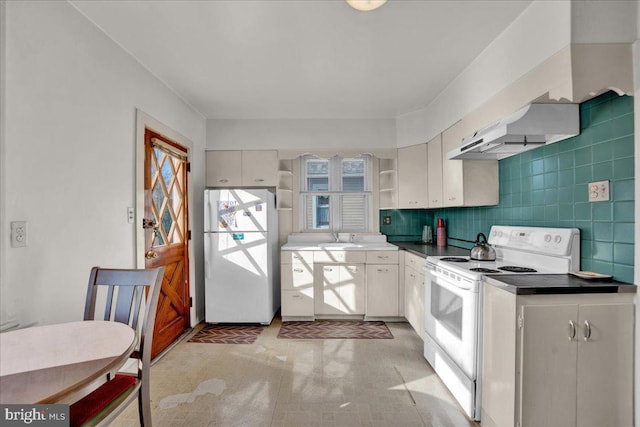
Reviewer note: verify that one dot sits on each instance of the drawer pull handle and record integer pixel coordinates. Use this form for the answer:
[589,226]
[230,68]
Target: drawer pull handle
[328,269]
[587,330]
[572,330]
[296,257]
[383,257]
[298,270]
[259,180]
[296,296]
[383,270]
[223,180]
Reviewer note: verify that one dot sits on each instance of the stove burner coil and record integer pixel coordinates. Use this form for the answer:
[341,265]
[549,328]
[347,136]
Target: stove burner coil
[515,269]
[454,259]
[484,270]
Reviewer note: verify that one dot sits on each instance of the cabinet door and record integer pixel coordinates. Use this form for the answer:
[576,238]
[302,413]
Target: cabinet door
[260,168]
[434,172]
[605,365]
[296,276]
[414,299]
[412,177]
[352,288]
[224,168]
[382,290]
[297,303]
[548,366]
[327,295]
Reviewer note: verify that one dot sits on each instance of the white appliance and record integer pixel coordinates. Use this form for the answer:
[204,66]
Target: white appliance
[527,128]
[453,306]
[242,283]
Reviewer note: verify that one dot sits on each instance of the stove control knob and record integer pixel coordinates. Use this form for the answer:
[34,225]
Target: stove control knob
[558,239]
[547,238]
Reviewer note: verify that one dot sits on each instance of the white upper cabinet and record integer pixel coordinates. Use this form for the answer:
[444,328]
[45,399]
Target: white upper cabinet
[412,177]
[242,168]
[466,182]
[434,172]
[259,168]
[224,168]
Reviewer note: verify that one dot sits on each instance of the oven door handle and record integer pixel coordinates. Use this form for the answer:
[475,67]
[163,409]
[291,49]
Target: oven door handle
[446,282]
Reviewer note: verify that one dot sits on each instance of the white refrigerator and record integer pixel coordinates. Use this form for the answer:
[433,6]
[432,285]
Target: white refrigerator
[242,283]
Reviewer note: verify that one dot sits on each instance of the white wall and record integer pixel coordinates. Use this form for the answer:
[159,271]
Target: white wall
[69,164]
[539,32]
[295,134]
[608,21]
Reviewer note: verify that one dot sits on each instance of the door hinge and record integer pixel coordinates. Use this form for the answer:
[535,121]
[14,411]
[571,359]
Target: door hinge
[188,166]
[189,235]
[520,322]
[190,301]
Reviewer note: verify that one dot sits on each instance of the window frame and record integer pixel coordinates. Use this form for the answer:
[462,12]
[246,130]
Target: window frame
[336,193]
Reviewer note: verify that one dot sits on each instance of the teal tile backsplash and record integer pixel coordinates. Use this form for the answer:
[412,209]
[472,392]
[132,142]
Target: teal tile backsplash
[547,187]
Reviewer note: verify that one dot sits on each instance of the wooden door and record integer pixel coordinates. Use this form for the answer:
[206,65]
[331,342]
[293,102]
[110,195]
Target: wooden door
[167,235]
[605,365]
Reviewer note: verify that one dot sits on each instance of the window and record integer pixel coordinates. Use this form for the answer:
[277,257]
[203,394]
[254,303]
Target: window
[335,193]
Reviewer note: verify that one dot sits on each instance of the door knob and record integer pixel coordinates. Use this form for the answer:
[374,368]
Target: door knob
[151,255]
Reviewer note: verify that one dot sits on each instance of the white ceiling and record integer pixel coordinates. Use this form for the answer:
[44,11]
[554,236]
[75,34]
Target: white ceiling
[304,58]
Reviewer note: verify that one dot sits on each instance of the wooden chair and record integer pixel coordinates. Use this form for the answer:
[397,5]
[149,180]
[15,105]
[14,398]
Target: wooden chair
[125,290]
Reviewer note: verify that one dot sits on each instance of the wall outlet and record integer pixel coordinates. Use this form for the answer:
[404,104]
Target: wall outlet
[386,220]
[599,191]
[18,234]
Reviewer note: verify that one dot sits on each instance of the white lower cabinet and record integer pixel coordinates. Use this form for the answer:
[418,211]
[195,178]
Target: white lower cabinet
[296,303]
[414,293]
[341,289]
[382,290]
[339,283]
[557,360]
[296,284]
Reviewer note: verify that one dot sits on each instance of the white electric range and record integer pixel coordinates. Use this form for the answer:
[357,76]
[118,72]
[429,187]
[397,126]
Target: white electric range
[453,303]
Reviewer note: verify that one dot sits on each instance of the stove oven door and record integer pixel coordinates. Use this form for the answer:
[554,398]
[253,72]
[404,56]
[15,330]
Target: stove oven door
[451,310]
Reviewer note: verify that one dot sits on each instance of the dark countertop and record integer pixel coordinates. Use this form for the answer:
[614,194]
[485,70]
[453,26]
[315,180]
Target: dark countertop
[424,251]
[536,284]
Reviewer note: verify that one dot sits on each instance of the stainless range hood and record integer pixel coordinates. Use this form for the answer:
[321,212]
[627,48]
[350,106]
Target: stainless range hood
[528,128]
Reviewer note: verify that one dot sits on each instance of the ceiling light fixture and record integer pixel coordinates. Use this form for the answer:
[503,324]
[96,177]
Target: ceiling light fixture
[365,5]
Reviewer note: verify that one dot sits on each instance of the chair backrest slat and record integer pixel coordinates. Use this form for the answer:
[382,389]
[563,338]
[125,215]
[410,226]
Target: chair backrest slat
[109,303]
[124,304]
[136,306]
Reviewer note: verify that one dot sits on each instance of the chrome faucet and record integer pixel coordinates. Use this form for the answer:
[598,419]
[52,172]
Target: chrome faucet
[336,236]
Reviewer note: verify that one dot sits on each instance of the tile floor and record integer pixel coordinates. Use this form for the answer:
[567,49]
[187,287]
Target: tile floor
[284,382]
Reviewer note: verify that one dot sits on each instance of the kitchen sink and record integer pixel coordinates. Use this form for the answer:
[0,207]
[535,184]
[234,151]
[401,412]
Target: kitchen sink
[339,245]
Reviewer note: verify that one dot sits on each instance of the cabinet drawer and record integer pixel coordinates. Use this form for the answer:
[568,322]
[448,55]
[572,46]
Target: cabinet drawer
[382,257]
[297,303]
[296,276]
[329,257]
[414,261]
[296,257]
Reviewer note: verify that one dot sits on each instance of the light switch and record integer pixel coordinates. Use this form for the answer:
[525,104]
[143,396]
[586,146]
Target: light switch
[598,191]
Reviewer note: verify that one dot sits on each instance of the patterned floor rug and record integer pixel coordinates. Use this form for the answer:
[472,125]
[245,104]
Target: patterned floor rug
[327,329]
[228,334]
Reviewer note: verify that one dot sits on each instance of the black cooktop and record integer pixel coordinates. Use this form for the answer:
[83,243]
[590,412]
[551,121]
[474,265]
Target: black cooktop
[454,259]
[517,269]
[484,270]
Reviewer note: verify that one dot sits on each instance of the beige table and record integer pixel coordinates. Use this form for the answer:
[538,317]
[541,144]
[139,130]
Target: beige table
[44,364]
